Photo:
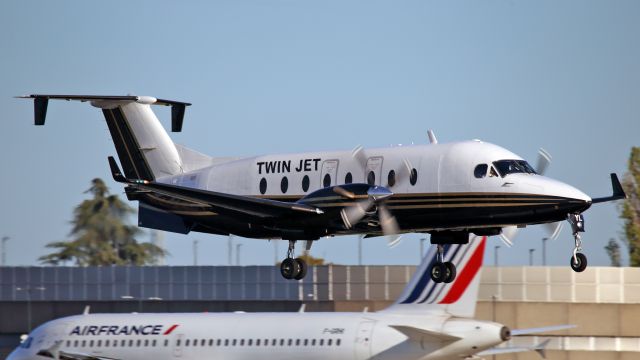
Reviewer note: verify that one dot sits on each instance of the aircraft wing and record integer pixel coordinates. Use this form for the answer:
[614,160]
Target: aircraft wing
[218,202]
[55,353]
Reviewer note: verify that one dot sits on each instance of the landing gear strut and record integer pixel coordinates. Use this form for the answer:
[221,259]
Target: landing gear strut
[293,268]
[578,259]
[442,271]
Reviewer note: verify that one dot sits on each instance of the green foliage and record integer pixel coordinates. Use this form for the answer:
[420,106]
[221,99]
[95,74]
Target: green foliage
[310,260]
[631,207]
[101,235]
[613,250]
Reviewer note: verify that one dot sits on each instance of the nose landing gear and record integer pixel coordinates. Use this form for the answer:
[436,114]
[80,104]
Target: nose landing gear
[578,260]
[441,271]
[293,268]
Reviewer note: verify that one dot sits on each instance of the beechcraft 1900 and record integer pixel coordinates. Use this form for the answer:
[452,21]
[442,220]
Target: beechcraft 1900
[429,321]
[449,190]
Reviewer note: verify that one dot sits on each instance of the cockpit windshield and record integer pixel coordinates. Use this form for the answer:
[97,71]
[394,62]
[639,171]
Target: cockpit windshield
[506,167]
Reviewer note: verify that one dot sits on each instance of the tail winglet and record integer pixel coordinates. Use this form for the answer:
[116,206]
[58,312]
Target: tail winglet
[115,171]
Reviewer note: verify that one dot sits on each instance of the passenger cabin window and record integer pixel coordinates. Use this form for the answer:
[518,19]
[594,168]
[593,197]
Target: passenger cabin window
[326,182]
[413,178]
[348,179]
[263,186]
[284,184]
[371,178]
[391,178]
[480,171]
[506,167]
[305,183]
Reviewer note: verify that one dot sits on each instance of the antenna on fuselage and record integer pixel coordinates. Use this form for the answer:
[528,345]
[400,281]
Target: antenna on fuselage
[432,137]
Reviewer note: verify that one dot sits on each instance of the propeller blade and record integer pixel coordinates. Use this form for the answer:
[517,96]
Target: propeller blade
[358,154]
[508,234]
[553,229]
[389,226]
[353,214]
[340,191]
[544,159]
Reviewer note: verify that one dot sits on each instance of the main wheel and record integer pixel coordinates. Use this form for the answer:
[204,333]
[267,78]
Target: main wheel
[438,272]
[289,268]
[450,272]
[581,265]
[302,265]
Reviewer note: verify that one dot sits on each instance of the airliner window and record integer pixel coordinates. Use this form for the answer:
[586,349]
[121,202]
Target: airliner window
[305,183]
[241,342]
[273,342]
[391,178]
[226,342]
[90,343]
[233,343]
[413,178]
[84,343]
[480,171]
[306,342]
[329,342]
[69,343]
[186,342]
[321,342]
[263,186]
[130,343]
[313,342]
[297,342]
[138,342]
[203,342]
[218,342]
[338,342]
[257,342]
[506,167]
[371,178]
[99,343]
[326,182]
[284,184]
[210,342]
[75,343]
[348,179]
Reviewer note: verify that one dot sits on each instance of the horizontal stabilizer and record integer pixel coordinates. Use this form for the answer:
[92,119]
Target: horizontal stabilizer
[41,102]
[618,191]
[419,335]
[541,349]
[517,332]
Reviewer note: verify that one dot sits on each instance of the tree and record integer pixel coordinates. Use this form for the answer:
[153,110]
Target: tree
[613,250]
[631,207]
[101,235]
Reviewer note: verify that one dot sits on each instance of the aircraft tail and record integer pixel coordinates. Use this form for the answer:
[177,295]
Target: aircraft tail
[144,148]
[422,295]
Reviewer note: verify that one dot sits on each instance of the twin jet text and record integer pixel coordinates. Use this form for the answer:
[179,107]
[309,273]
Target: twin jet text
[284,166]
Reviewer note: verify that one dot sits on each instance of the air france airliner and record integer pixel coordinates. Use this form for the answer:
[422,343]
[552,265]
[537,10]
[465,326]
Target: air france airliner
[429,320]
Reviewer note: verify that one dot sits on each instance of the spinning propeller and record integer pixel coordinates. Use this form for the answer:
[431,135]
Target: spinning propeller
[552,229]
[376,196]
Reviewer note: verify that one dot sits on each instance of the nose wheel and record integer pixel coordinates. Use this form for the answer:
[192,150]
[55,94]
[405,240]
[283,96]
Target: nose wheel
[293,268]
[441,271]
[578,260]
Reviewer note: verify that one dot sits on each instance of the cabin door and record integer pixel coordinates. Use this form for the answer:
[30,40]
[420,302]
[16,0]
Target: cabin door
[178,341]
[373,171]
[329,173]
[363,339]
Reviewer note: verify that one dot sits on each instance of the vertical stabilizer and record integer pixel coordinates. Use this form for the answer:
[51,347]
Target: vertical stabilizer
[422,295]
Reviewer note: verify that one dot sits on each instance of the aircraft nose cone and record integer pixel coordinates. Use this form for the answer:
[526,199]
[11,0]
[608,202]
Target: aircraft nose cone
[557,188]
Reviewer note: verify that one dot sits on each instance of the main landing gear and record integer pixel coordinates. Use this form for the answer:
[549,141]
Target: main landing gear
[291,268]
[578,259]
[441,271]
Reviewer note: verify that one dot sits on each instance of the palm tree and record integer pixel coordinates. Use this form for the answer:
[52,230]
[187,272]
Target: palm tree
[101,235]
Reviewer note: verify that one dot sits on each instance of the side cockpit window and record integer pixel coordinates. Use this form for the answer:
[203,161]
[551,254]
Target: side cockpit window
[506,167]
[26,343]
[480,171]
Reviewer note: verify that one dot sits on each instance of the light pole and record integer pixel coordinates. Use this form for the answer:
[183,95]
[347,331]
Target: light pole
[238,246]
[195,252]
[27,290]
[4,250]
[531,251]
[544,251]
[229,249]
[359,250]
[495,255]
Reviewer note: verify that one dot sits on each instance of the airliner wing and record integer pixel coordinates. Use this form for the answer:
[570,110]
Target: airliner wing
[56,354]
[219,202]
[418,334]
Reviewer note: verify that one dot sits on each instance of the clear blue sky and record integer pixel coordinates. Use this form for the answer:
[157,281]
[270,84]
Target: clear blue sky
[288,76]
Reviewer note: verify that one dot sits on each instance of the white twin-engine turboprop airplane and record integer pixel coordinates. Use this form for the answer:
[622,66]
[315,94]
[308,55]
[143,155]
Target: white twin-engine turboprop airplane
[429,321]
[447,190]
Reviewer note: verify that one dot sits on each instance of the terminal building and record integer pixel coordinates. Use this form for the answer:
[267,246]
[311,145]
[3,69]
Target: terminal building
[603,302]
